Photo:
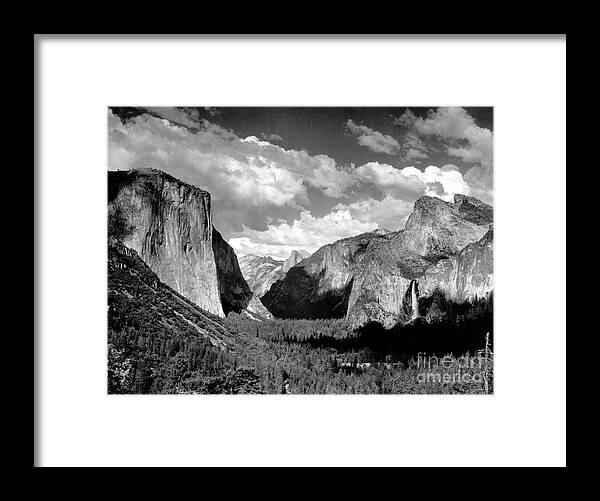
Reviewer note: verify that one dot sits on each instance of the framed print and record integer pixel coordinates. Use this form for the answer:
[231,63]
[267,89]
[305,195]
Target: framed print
[299,251]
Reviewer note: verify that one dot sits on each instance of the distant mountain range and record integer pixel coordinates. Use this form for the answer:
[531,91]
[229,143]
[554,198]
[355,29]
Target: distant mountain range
[263,271]
[445,250]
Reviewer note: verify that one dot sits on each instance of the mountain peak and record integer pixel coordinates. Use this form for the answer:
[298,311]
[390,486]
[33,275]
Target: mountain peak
[295,257]
[460,199]
[474,210]
[302,253]
[440,229]
[257,260]
[151,177]
[169,224]
[428,200]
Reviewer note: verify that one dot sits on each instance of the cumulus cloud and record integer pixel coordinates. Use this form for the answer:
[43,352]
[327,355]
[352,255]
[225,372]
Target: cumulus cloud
[414,148]
[307,233]
[409,183]
[272,138]
[188,117]
[456,123]
[389,213]
[241,173]
[465,140]
[414,154]
[390,180]
[269,200]
[442,182]
[446,122]
[407,119]
[453,123]
[372,139]
[400,188]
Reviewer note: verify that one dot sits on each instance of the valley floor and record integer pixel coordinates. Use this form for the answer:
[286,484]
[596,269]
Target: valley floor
[308,357]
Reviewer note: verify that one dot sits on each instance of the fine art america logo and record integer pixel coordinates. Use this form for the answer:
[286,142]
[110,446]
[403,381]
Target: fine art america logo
[450,370]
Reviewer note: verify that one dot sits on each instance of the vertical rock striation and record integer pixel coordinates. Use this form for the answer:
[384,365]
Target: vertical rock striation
[319,286]
[438,229]
[428,251]
[445,249]
[169,224]
[294,258]
[234,291]
[467,275]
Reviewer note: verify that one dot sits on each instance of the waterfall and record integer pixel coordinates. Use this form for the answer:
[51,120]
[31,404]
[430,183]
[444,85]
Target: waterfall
[414,301]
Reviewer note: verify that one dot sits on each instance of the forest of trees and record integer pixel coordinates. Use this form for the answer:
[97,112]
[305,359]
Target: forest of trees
[289,356]
[462,329]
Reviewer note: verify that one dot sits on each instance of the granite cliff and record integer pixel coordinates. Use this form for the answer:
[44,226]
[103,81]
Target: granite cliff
[444,247]
[169,224]
[294,258]
[466,275]
[390,277]
[319,286]
[137,299]
[438,229]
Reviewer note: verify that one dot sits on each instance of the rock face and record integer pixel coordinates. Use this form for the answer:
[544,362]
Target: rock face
[138,298]
[295,257]
[430,251]
[319,286]
[169,224]
[263,271]
[234,291]
[445,247]
[260,272]
[439,229]
[445,253]
[467,275]
[379,292]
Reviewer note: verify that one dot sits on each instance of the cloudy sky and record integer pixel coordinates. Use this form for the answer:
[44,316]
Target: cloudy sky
[299,178]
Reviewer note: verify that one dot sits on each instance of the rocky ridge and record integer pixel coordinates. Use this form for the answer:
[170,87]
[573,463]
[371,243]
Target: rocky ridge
[444,246]
[436,249]
[319,286]
[263,271]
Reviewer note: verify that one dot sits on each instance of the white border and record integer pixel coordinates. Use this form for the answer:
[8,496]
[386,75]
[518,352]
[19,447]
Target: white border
[522,424]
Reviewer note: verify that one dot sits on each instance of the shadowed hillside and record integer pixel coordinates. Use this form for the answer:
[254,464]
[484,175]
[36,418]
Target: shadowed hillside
[160,342]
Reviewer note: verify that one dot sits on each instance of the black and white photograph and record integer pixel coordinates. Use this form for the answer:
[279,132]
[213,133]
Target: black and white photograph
[300,250]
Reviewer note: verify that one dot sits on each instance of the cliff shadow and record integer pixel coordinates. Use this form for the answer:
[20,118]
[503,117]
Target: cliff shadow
[234,291]
[404,342]
[446,327]
[297,297]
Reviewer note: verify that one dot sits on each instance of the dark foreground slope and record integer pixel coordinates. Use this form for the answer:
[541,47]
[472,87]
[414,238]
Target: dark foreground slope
[160,342]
